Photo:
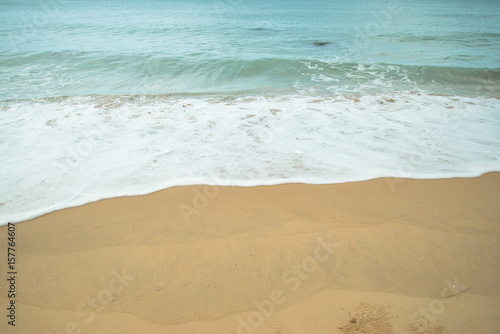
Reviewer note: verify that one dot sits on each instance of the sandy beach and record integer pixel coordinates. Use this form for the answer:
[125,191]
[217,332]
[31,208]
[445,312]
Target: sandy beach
[303,108]
[379,256]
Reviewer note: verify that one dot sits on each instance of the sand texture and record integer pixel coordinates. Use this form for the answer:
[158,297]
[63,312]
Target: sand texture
[380,256]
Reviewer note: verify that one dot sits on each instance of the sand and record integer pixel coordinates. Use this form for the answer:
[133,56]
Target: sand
[380,256]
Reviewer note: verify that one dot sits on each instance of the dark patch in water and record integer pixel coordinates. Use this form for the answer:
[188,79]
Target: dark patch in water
[317,43]
[258,29]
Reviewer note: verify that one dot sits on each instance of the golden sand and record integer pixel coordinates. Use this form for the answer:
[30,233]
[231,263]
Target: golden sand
[380,256]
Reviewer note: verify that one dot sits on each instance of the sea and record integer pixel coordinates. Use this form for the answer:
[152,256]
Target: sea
[106,98]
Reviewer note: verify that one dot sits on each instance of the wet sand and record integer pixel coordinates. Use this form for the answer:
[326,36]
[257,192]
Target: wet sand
[379,256]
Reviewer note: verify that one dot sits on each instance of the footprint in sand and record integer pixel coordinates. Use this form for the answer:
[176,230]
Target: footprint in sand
[368,318]
[374,319]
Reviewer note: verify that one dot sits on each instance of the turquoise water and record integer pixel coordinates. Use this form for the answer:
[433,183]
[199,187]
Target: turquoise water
[112,98]
[67,48]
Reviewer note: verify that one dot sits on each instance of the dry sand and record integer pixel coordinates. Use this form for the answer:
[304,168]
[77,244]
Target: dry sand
[381,256]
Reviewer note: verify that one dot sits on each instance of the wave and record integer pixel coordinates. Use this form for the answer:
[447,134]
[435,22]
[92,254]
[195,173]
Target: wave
[86,148]
[82,73]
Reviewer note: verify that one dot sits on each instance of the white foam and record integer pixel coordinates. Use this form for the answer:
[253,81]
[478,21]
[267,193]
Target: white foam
[58,154]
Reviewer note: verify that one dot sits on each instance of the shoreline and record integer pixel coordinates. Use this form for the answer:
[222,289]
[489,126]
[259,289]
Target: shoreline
[392,182]
[285,258]
[99,152]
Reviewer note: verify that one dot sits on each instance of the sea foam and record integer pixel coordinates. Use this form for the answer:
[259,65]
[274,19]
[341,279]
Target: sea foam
[68,151]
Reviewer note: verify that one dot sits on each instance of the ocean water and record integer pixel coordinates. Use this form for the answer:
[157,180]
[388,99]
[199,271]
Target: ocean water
[112,98]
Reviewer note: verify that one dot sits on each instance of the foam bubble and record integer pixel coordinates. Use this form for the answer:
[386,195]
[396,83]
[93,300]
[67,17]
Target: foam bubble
[64,152]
